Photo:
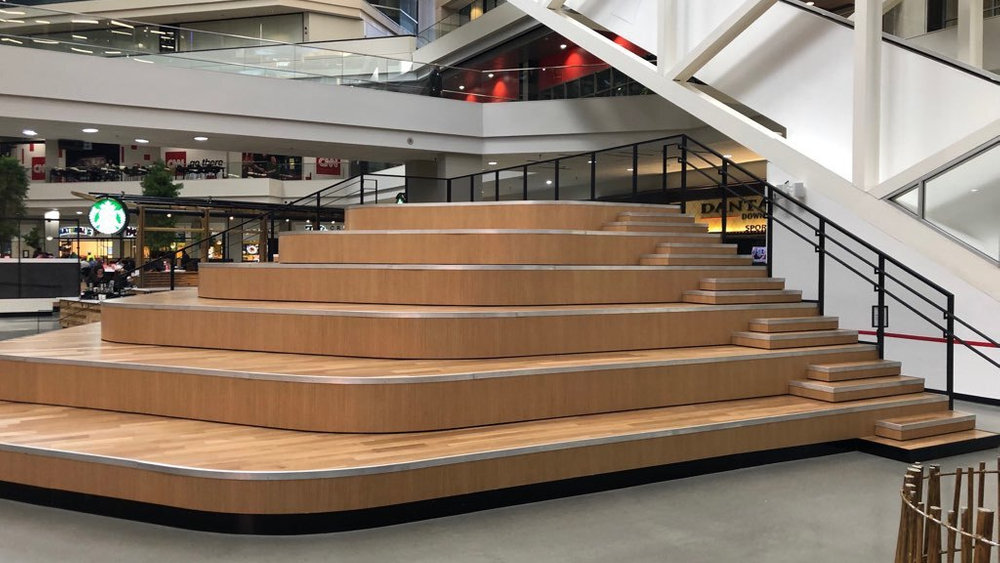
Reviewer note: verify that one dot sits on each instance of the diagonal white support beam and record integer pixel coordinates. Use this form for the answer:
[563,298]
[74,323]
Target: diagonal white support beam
[722,36]
[964,145]
[554,4]
[889,5]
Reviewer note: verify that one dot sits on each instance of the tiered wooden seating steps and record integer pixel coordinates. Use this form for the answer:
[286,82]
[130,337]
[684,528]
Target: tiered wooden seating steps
[363,372]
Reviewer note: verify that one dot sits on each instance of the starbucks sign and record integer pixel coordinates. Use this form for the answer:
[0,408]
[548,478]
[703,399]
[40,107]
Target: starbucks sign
[108,215]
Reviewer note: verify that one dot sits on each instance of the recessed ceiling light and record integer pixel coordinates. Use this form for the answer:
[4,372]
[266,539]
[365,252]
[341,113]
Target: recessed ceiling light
[630,169]
[11,21]
[43,22]
[79,212]
[170,214]
[120,32]
[490,75]
[85,21]
[810,3]
[142,141]
[122,24]
[89,130]
[461,87]
[157,32]
[112,52]
[83,37]
[974,190]
[548,182]
[231,217]
[45,41]
[288,220]
[29,133]
[9,40]
[12,12]
[492,163]
[143,60]
[282,63]
[727,156]
[201,138]
[563,46]
[84,51]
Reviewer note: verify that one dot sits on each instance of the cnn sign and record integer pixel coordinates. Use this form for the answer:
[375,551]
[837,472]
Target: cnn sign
[329,166]
[38,168]
[175,158]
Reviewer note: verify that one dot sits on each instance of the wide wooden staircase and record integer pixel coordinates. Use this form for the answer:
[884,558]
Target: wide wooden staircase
[436,358]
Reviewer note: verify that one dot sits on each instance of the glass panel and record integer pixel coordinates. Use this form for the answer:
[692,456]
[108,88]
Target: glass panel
[574,178]
[964,200]
[541,181]
[614,174]
[651,172]
[511,184]
[910,200]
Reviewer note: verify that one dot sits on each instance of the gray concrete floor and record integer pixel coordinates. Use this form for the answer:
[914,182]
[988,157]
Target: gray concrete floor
[841,508]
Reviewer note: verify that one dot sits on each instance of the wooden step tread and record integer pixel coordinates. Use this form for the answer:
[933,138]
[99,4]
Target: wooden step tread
[192,447]
[931,441]
[793,324]
[742,281]
[857,385]
[677,209]
[777,336]
[721,257]
[923,420]
[682,220]
[915,427]
[853,370]
[742,292]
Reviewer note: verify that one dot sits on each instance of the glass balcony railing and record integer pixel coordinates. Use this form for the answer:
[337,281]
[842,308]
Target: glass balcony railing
[402,12]
[138,42]
[450,23]
[962,199]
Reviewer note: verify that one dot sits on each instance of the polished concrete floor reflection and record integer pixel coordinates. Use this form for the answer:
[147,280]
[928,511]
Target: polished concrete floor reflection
[830,509]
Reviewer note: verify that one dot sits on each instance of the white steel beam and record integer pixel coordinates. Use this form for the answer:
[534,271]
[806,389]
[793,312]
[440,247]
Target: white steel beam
[867,93]
[732,27]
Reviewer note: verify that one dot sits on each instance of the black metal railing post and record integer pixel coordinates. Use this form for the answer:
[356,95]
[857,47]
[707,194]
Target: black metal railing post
[449,189]
[821,267]
[496,186]
[684,174]
[472,188]
[663,178]
[635,172]
[556,181]
[724,182]
[769,194]
[950,351]
[173,267]
[361,192]
[593,176]
[880,316]
[319,206]
[406,188]
[524,183]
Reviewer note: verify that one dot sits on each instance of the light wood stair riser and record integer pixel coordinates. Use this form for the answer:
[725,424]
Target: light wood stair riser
[658,228]
[734,297]
[924,426]
[667,218]
[178,319]
[504,215]
[861,389]
[794,340]
[680,248]
[742,284]
[475,247]
[877,368]
[794,325]
[694,260]
[486,286]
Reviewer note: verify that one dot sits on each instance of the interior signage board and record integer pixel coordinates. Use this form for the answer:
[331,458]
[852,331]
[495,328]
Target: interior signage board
[746,215]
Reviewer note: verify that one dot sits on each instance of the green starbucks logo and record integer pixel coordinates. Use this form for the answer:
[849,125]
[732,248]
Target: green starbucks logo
[108,216]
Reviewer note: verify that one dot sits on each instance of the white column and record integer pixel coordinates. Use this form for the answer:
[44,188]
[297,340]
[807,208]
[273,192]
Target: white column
[970,32]
[867,92]
[666,35]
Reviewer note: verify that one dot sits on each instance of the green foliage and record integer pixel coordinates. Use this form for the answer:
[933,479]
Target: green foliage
[13,190]
[159,182]
[33,238]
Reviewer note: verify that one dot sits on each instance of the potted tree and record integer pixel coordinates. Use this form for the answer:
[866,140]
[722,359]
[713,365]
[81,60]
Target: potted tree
[13,190]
